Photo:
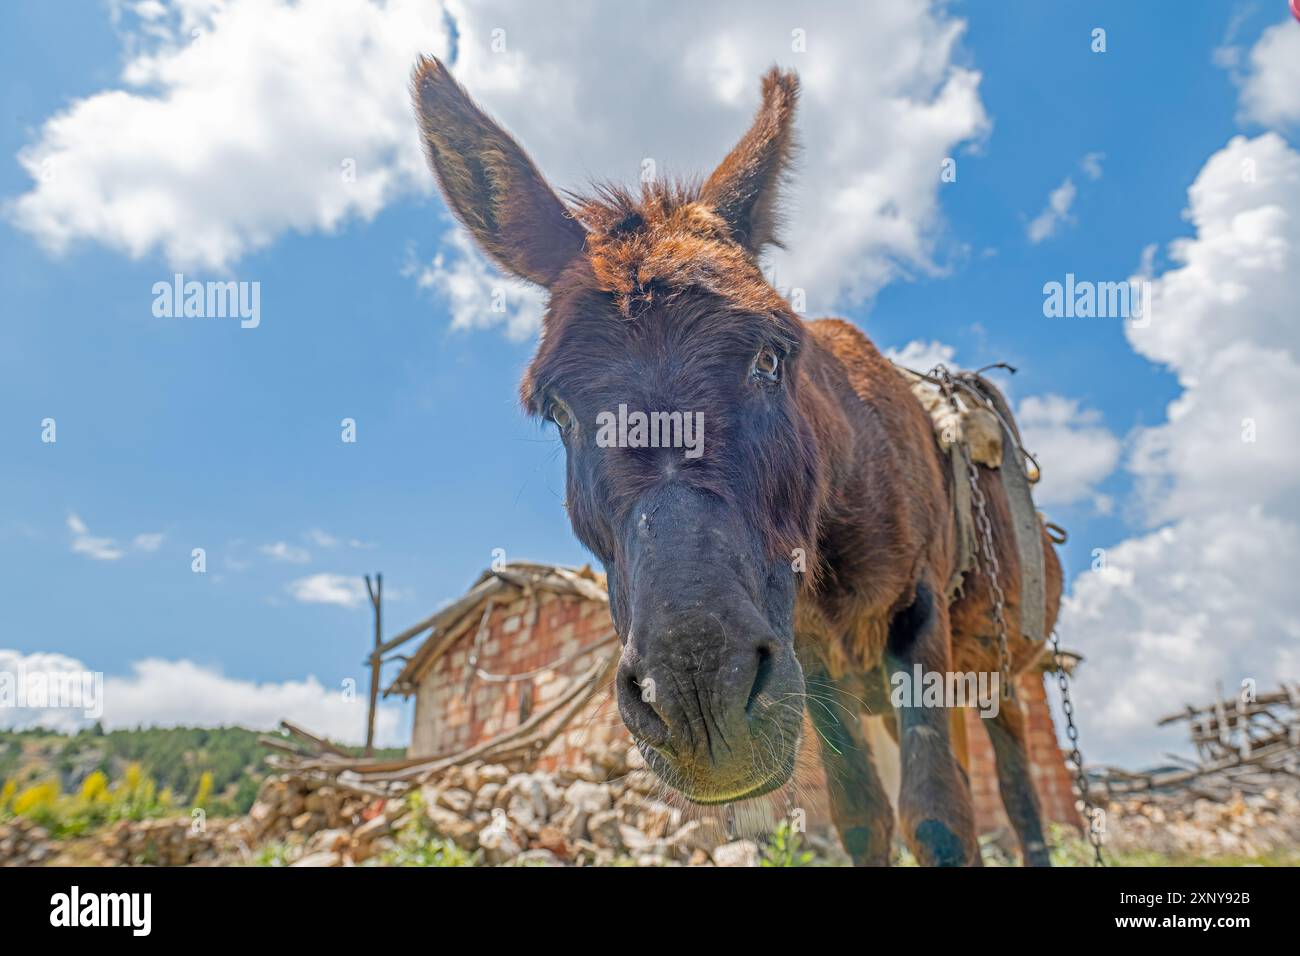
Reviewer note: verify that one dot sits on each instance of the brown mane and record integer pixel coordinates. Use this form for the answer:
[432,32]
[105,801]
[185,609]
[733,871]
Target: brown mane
[665,242]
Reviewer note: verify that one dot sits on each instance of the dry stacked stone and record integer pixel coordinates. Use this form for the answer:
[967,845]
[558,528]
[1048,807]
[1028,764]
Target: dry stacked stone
[610,807]
[23,843]
[606,808]
[1176,825]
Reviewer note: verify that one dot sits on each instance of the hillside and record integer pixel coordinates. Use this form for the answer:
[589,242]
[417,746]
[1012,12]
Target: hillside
[174,758]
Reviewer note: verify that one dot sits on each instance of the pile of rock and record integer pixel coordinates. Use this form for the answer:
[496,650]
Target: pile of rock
[605,810]
[564,818]
[24,843]
[609,809]
[1177,825]
[171,841]
[291,806]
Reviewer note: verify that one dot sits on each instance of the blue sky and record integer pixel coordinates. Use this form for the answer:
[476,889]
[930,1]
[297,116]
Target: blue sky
[228,439]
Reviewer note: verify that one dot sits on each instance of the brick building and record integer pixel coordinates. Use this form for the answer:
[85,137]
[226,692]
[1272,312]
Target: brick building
[510,647]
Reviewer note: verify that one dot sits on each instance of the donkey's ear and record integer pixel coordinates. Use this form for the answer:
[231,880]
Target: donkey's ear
[490,183]
[745,189]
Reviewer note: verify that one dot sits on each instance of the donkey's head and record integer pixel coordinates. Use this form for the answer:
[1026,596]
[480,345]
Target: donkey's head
[671,369]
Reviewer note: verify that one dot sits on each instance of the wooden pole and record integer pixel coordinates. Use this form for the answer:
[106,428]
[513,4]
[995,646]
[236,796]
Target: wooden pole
[377,602]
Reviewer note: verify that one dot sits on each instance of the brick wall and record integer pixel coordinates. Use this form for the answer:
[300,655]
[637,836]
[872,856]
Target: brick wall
[521,637]
[524,637]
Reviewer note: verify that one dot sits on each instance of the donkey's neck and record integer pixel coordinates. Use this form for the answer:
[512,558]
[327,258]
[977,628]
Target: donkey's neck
[884,514]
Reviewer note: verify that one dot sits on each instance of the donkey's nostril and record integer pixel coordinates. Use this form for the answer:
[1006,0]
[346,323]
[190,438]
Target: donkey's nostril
[762,678]
[640,713]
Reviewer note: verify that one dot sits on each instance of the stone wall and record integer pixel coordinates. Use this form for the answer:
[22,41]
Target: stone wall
[605,808]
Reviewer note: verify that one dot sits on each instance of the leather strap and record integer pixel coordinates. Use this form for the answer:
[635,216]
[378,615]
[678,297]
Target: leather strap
[1024,521]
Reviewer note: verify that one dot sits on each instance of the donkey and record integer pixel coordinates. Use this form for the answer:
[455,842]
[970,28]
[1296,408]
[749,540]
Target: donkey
[803,557]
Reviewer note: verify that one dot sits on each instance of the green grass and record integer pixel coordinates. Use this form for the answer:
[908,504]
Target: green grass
[273,854]
[176,759]
[96,804]
[44,773]
[785,848]
[417,845]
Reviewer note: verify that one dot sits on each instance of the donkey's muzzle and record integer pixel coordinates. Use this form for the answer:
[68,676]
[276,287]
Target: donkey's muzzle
[708,683]
[717,712]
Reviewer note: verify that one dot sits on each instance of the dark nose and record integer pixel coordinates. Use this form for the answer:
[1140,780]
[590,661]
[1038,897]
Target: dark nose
[697,707]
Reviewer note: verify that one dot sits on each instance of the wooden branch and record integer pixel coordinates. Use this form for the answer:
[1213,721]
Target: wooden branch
[319,742]
[1130,784]
[276,743]
[578,685]
[541,741]
[376,660]
[451,612]
[1261,702]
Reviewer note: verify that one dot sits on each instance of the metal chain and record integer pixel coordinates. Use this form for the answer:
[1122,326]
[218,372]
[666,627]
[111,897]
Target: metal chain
[1076,758]
[992,567]
[993,571]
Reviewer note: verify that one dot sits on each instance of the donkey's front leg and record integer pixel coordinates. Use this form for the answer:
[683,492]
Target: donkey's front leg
[859,804]
[934,801]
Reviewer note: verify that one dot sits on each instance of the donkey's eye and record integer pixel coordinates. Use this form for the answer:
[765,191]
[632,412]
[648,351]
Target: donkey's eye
[767,366]
[559,413]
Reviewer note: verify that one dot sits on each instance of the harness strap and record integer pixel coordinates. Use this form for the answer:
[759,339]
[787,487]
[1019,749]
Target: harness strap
[982,429]
[963,518]
[1024,516]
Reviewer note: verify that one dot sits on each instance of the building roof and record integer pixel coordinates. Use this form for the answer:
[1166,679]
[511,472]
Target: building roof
[454,621]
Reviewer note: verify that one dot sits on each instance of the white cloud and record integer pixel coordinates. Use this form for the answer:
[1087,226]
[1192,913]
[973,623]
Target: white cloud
[1230,439]
[283,551]
[147,542]
[1054,214]
[1241,206]
[1061,200]
[477,295]
[337,589]
[162,693]
[321,539]
[883,104]
[1224,320]
[1227,55]
[209,150]
[1091,165]
[1270,89]
[107,549]
[1074,449]
[922,356]
[1203,600]
[31,683]
[1208,596]
[214,147]
[83,542]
